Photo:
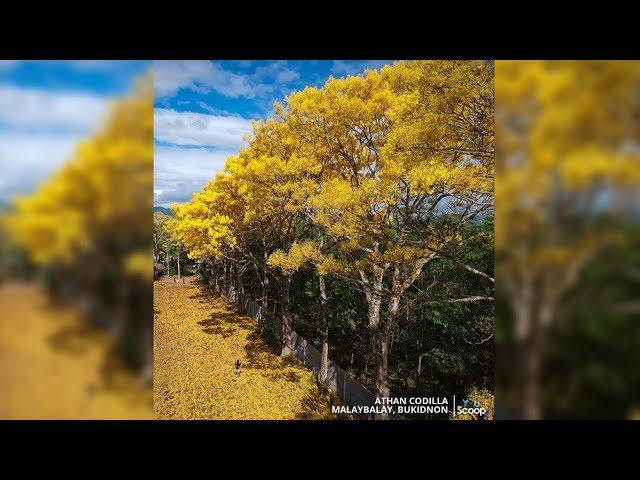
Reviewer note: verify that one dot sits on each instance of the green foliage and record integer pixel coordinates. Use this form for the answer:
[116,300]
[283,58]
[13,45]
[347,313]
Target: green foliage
[346,202]
[159,271]
[454,339]
[270,332]
[590,361]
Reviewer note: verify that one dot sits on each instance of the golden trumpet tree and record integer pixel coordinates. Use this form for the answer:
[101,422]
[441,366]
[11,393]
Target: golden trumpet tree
[390,166]
[312,252]
[101,194]
[161,241]
[204,225]
[567,133]
[89,223]
[257,201]
[407,158]
[277,175]
[210,226]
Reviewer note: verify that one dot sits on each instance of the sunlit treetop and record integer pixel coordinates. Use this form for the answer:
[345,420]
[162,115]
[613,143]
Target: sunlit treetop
[568,150]
[301,254]
[366,159]
[101,194]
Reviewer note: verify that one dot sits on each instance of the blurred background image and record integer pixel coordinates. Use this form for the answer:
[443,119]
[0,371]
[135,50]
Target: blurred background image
[76,229]
[76,174]
[568,239]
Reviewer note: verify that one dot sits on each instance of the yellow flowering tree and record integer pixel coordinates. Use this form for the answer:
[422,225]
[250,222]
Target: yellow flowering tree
[383,171]
[407,157]
[249,210]
[567,133]
[88,225]
[312,252]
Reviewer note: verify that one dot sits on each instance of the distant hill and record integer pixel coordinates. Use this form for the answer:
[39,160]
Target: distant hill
[166,211]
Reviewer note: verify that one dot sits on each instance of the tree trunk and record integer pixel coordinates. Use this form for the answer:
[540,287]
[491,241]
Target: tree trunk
[531,408]
[225,268]
[232,283]
[286,319]
[240,282]
[324,331]
[532,363]
[381,356]
[527,337]
[265,278]
[379,342]
[265,292]
[380,347]
[178,263]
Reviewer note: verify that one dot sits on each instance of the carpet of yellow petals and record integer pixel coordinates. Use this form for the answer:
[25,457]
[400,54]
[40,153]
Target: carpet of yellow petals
[54,365]
[197,339]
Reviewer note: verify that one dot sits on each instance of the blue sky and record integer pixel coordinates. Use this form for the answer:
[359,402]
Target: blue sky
[46,107]
[204,108]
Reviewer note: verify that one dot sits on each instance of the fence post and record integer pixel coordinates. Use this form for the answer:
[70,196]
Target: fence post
[304,349]
[344,387]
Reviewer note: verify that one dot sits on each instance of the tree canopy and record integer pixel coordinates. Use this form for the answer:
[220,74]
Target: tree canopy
[368,180]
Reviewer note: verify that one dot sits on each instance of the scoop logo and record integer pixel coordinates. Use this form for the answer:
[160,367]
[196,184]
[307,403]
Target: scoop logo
[470,407]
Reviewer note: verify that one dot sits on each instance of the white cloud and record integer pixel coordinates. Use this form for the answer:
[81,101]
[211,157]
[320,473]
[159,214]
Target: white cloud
[198,129]
[34,108]
[27,159]
[204,76]
[199,75]
[278,71]
[342,67]
[179,172]
[40,129]
[216,111]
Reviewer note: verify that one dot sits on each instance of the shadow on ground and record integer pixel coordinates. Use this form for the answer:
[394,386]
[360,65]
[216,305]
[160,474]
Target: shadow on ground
[199,336]
[74,339]
[225,323]
[115,376]
[310,405]
[260,356]
[59,365]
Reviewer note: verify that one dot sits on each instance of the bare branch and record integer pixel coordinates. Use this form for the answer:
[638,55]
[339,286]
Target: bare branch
[480,342]
[470,299]
[473,270]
